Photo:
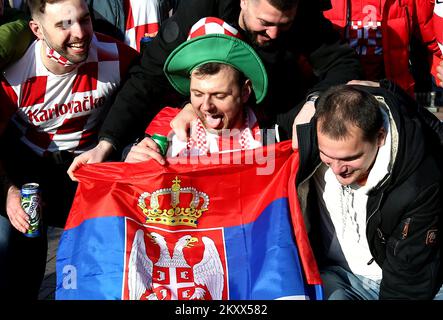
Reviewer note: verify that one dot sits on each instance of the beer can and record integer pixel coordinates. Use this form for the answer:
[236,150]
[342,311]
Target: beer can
[30,201]
[162,143]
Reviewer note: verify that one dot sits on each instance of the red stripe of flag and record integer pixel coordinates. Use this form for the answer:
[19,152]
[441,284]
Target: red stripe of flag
[301,236]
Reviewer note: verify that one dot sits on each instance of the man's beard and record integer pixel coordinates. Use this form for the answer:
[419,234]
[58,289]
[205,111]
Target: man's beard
[251,37]
[74,59]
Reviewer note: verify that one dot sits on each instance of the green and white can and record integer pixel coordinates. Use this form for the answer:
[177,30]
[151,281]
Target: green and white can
[31,204]
[162,143]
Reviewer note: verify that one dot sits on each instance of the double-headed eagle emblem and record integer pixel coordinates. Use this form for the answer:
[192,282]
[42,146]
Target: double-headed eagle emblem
[208,274]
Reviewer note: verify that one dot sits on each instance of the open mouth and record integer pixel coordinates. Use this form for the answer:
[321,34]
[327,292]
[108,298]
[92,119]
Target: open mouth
[346,175]
[263,37]
[77,47]
[213,121]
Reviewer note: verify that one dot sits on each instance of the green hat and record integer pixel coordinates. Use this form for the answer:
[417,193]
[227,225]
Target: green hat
[215,47]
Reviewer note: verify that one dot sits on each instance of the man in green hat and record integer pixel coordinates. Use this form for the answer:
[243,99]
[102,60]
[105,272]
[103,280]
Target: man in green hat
[291,37]
[220,72]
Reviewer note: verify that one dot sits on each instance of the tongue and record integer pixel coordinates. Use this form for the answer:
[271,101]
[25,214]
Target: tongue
[213,123]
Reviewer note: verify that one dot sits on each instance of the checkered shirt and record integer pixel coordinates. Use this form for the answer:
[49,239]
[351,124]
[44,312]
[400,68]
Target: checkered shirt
[62,112]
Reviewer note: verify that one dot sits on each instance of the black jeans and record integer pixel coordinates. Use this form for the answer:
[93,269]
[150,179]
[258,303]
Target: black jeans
[22,263]
[22,266]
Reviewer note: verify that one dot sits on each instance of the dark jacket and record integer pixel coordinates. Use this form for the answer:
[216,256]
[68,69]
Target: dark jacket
[403,210]
[311,35]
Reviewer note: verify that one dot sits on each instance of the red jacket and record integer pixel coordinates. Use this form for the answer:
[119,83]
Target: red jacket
[438,23]
[400,21]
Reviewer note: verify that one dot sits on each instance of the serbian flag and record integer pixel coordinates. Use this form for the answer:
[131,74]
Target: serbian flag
[224,226]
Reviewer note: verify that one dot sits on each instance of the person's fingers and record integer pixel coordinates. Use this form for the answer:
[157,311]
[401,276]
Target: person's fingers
[181,123]
[148,143]
[440,74]
[17,216]
[140,157]
[352,82]
[20,223]
[135,156]
[142,152]
[97,154]
[157,157]
[76,163]
[364,83]
[180,132]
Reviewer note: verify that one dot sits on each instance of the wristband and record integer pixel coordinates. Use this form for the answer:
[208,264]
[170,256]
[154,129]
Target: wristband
[312,98]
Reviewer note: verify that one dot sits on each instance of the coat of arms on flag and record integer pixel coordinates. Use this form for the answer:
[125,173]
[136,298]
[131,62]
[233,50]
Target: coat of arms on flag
[183,265]
[188,231]
[180,264]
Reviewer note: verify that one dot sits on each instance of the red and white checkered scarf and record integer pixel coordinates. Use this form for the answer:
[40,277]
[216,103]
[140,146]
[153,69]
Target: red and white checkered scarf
[248,138]
[57,57]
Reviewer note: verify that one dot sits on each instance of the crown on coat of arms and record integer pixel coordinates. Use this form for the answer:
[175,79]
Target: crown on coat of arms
[174,215]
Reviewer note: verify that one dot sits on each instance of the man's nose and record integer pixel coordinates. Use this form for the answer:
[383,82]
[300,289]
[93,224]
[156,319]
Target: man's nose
[337,167]
[272,32]
[207,103]
[77,30]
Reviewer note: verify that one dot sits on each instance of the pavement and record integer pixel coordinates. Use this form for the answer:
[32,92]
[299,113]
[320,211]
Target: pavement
[47,290]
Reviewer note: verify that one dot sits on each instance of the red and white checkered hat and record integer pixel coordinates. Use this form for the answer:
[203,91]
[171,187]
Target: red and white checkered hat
[213,40]
[210,25]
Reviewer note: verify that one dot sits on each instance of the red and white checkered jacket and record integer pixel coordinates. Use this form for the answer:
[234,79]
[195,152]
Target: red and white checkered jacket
[62,112]
[438,23]
[142,16]
[381,32]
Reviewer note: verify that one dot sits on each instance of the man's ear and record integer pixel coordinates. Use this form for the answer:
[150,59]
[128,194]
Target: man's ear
[246,91]
[381,139]
[243,4]
[36,29]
